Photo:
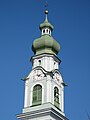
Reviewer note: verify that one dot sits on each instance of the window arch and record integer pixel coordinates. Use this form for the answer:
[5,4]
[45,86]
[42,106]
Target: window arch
[56,97]
[37,95]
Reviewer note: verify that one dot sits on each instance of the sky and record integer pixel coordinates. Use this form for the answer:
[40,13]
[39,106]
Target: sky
[19,27]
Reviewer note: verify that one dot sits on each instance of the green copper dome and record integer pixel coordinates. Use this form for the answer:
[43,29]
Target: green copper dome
[46,23]
[46,43]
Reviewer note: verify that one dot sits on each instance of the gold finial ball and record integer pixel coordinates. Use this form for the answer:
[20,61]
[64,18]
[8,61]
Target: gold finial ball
[46,11]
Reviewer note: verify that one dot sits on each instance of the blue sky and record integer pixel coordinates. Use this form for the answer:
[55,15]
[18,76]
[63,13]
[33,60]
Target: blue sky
[19,26]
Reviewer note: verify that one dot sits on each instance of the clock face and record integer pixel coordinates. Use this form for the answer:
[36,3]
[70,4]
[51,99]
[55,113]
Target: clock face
[56,77]
[38,75]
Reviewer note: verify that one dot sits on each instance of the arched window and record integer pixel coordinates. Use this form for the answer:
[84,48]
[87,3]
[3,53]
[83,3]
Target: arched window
[47,30]
[37,95]
[56,97]
[44,31]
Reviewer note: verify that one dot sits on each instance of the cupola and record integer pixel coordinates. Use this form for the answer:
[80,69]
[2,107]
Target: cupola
[46,27]
[46,43]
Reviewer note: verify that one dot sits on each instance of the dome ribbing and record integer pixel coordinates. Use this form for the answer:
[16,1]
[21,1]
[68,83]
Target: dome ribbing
[45,44]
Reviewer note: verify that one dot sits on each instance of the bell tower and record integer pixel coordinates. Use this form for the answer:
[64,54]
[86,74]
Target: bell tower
[44,86]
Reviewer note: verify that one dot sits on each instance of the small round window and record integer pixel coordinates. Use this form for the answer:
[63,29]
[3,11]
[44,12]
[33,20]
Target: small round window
[39,62]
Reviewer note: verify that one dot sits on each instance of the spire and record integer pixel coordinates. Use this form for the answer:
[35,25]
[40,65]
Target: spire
[46,12]
[46,27]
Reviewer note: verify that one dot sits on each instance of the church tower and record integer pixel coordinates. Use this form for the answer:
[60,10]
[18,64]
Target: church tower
[44,86]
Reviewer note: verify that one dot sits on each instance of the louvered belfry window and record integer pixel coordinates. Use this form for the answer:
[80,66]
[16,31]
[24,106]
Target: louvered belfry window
[56,97]
[37,95]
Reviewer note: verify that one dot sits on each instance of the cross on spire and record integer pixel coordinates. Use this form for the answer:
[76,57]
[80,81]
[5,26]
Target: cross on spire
[46,4]
[46,11]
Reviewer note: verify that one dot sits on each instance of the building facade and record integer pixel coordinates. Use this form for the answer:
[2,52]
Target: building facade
[44,86]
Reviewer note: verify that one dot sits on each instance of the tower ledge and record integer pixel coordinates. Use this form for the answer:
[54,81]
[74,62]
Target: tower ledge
[47,111]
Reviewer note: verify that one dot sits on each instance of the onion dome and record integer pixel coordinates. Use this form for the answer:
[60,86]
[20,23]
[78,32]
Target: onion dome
[46,43]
